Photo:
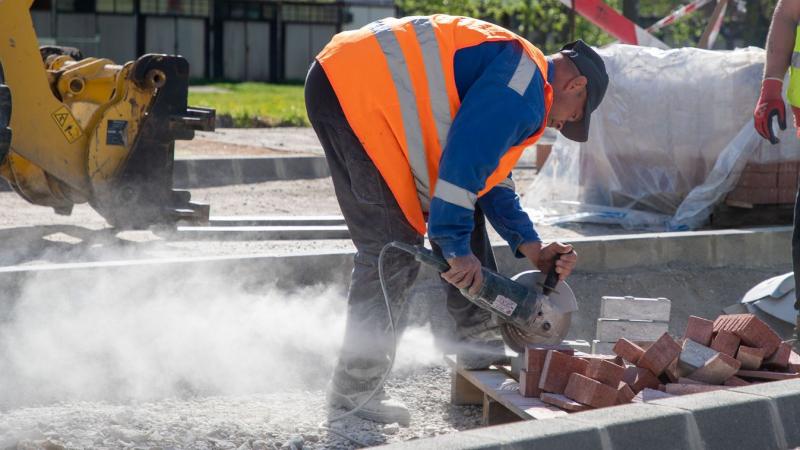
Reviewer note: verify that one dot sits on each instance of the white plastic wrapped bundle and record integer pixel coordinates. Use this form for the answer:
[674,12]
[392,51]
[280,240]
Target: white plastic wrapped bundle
[668,142]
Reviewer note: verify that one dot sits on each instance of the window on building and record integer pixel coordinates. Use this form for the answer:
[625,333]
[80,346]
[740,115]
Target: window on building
[315,13]
[115,6]
[249,10]
[176,7]
[75,5]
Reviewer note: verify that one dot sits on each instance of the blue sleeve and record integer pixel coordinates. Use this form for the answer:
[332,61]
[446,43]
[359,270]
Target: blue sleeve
[496,114]
[501,206]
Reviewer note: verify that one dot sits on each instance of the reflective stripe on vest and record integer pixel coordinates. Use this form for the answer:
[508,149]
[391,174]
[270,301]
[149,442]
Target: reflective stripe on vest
[793,93]
[456,195]
[395,82]
[523,75]
[437,90]
[440,105]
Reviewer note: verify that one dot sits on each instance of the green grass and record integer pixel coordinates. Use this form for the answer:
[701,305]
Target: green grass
[254,105]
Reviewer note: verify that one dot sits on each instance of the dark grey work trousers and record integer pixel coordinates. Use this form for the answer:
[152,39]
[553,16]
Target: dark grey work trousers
[374,219]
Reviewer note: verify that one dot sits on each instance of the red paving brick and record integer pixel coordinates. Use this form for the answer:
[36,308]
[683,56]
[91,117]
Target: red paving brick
[751,330]
[794,361]
[699,330]
[628,350]
[624,393]
[750,357]
[564,402]
[605,372]
[717,370]
[590,392]
[639,378]
[535,355]
[726,342]
[766,375]
[529,383]
[672,372]
[735,381]
[659,355]
[557,369]
[779,359]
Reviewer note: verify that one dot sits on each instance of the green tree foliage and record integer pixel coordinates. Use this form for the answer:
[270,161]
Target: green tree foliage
[548,23]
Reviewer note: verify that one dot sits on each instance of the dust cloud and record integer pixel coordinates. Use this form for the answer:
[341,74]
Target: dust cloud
[97,335]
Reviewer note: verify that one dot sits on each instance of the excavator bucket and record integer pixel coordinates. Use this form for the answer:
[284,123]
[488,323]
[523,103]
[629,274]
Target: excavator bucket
[142,193]
[76,130]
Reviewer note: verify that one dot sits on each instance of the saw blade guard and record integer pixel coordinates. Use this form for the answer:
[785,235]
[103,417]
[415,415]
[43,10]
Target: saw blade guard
[553,322]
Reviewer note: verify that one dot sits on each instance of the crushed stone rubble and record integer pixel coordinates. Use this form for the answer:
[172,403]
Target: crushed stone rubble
[285,420]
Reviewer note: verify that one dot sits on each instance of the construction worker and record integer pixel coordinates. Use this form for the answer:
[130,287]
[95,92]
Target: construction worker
[783,52]
[422,120]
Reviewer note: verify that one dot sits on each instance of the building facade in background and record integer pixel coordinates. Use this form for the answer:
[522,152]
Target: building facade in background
[237,40]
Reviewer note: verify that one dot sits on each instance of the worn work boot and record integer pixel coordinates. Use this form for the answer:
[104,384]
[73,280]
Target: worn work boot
[481,346]
[380,408]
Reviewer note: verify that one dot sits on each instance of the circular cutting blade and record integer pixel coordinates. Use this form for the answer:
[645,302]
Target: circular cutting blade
[555,318]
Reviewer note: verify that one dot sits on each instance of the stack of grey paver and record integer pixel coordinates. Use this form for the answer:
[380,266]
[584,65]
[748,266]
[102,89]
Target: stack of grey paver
[634,318]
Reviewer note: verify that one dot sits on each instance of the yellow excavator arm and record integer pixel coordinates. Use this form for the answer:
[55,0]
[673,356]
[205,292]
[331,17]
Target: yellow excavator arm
[89,130]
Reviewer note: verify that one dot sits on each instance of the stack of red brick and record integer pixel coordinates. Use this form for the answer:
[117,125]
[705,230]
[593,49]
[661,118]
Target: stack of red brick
[733,350]
[765,184]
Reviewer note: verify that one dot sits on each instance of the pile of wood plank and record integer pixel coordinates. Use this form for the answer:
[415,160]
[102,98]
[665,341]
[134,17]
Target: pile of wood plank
[733,350]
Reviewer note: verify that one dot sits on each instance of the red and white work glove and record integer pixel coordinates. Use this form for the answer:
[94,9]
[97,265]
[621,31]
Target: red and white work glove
[770,104]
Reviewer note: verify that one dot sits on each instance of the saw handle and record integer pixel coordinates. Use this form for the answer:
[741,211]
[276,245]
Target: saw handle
[424,255]
[552,278]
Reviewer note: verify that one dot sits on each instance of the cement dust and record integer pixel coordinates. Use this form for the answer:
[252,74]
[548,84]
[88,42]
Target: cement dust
[112,336]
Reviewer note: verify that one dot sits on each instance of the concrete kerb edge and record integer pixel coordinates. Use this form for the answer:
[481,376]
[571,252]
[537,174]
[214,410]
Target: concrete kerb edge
[749,417]
[656,250]
[778,394]
[630,426]
[206,172]
[757,247]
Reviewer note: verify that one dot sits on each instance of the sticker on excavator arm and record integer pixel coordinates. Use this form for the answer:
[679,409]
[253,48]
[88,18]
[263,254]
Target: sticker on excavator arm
[67,124]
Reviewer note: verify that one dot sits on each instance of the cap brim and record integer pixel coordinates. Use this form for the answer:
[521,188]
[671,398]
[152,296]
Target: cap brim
[577,131]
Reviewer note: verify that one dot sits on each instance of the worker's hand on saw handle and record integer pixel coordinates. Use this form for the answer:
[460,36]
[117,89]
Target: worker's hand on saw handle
[542,257]
[465,273]
[770,104]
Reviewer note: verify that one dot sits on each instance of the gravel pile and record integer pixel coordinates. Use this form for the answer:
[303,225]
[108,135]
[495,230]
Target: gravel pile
[286,420]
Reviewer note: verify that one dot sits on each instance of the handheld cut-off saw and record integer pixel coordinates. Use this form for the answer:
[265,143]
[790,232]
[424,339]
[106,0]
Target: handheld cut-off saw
[533,307]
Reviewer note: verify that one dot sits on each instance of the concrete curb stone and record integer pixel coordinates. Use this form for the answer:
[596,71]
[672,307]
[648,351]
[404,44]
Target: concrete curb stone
[209,172]
[761,416]
[728,420]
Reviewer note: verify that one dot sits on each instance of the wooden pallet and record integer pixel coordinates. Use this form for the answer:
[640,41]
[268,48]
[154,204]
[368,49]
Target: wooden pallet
[498,392]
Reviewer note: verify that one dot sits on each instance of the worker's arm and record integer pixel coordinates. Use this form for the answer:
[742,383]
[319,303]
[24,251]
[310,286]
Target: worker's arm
[780,40]
[492,118]
[780,46]
[502,207]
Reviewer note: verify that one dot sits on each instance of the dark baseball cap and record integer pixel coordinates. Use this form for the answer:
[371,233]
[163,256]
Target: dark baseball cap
[590,65]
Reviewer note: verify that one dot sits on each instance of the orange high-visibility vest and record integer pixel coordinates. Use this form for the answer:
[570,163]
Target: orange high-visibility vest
[396,84]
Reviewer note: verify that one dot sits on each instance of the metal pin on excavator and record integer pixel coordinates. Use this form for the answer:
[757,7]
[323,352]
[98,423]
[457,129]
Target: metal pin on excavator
[527,314]
[78,130]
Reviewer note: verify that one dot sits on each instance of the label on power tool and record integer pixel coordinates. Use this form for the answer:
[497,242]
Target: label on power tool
[504,304]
